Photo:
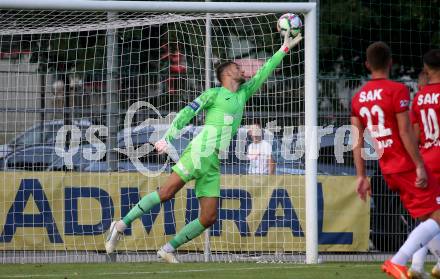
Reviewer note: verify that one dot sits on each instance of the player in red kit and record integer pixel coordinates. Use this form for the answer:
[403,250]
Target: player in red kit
[425,115]
[381,108]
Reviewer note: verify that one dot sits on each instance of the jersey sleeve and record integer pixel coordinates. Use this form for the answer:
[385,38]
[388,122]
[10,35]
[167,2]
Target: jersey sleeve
[263,73]
[204,101]
[401,100]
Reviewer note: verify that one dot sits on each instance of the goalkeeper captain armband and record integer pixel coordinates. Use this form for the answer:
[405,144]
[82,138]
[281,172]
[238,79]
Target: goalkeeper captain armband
[194,105]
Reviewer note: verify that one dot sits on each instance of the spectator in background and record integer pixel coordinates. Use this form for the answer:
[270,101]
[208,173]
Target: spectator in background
[176,61]
[422,80]
[259,153]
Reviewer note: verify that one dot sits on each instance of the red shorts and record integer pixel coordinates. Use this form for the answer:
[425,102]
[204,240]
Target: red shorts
[417,201]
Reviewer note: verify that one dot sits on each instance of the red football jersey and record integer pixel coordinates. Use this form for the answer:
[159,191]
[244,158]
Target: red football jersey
[426,113]
[376,105]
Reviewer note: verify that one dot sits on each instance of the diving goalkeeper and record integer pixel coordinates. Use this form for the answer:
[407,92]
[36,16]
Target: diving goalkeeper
[200,161]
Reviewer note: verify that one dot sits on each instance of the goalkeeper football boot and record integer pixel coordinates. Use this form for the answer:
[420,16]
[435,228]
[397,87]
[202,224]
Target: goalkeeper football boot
[435,272]
[113,237]
[414,274]
[394,270]
[167,256]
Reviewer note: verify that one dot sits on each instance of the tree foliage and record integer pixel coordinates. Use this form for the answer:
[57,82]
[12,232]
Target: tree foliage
[347,27]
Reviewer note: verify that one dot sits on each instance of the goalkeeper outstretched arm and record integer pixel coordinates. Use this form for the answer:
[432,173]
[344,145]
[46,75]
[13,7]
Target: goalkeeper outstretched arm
[266,70]
[230,80]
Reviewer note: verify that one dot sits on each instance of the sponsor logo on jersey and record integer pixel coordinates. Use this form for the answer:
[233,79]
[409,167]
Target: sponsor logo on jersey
[228,119]
[180,166]
[429,144]
[438,200]
[404,103]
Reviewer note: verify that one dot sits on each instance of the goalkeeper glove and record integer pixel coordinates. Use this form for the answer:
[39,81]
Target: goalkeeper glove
[290,42]
[161,146]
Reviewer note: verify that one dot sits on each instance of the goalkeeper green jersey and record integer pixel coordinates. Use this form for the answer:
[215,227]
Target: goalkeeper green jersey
[224,111]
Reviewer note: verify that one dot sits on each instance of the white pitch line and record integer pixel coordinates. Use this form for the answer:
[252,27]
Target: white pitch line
[184,271]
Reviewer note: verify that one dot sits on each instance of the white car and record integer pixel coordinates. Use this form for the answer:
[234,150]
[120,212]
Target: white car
[40,134]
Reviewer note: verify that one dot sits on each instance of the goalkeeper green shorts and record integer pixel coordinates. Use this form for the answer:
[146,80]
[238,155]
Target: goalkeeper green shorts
[205,170]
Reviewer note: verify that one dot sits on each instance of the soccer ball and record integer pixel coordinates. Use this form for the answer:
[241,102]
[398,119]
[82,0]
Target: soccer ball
[289,21]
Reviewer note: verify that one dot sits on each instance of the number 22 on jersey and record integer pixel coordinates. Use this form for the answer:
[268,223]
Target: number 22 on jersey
[378,130]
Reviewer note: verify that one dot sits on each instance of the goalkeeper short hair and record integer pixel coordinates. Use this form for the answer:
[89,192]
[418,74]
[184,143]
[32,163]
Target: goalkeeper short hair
[221,68]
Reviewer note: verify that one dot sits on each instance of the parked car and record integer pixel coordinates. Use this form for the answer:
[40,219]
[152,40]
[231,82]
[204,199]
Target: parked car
[46,158]
[30,158]
[80,162]
[41,133]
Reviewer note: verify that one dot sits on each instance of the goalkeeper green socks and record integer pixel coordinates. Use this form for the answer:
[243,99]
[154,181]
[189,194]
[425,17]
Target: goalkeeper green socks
[189,232]
[142,207]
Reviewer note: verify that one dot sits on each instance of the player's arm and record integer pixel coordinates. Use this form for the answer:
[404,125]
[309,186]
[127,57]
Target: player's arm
[410,143]
[271,164]
[266,70]
[184,116]
[363,185]
[416,130]
[415,121]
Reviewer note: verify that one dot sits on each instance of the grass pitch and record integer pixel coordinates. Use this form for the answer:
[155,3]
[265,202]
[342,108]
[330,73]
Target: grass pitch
[192,270]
